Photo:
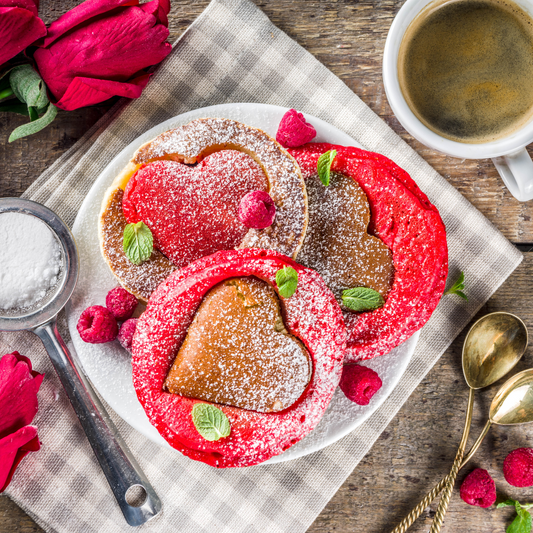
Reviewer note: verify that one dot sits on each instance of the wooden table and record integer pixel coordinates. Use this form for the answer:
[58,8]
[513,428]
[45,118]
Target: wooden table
[419,445]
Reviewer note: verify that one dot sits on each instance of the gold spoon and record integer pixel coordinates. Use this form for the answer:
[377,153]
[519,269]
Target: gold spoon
[493,346]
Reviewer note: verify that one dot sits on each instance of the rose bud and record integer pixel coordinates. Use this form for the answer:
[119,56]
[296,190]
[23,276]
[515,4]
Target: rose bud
[99,49]
[19,26]
[18,405]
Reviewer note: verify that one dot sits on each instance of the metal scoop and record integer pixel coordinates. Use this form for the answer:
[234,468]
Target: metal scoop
[120,468]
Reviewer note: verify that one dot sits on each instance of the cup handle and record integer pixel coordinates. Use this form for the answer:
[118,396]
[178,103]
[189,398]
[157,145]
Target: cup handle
[516,171]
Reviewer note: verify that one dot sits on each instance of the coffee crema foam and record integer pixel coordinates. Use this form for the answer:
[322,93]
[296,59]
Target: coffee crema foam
[466,69]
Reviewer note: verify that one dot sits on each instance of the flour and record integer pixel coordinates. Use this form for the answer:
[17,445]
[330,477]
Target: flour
[30,260]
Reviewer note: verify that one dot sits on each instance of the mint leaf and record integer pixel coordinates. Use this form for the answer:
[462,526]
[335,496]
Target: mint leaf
[362,299]
[522,522]
[323,166]
[138,242]
[35,126]
[458,287]
[507,503]
[210,421]
[287,281]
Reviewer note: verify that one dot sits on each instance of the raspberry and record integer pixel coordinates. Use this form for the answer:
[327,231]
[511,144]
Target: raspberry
[257,210]
[478,488]
[359,383]
[125,335]
[293,130]
[97,325]
[518,468]
[121,303]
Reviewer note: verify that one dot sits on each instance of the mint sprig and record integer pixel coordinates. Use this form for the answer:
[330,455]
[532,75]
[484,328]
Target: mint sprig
[362,299]
[138,242]
[210,421]
[323,166]
[458,287]
[522,522]
[287,281]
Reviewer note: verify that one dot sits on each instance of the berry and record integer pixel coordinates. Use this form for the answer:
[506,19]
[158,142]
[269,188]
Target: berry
[121,303]
[518,468]
[359,383]
[294,130]
[257,210]
[97,325]
[478,488]
[125,335]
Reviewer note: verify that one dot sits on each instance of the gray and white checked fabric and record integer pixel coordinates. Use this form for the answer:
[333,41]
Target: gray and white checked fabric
[232,53]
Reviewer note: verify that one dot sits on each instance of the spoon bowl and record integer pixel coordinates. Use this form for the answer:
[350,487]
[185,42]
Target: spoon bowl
[493,346]
[513,404]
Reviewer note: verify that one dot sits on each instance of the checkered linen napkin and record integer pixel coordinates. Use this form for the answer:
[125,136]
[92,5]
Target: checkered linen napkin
[232,53]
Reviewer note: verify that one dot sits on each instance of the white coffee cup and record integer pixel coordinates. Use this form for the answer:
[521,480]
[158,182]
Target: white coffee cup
[508,154]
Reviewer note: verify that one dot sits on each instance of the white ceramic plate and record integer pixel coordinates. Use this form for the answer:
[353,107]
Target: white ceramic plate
[108,365]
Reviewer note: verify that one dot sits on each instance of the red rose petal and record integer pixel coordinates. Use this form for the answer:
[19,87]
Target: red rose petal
[19,27]
[13,449]
[159,9]
[108,42]
[30,5]
[81,13]
[18,393]
[83,92]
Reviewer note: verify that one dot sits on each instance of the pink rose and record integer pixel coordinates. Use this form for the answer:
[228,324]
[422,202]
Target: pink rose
[19,26]
[100,49]
[18,406]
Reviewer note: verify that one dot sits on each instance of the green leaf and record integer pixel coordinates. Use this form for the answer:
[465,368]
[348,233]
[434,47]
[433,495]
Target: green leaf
[287,281]
[35,126]
[138,242]
[28,86]
[323,166]
[210,421]
[33,113]
[522,522]
[6,93]
[458,287]
[506,503]
[362,299]
[16,107]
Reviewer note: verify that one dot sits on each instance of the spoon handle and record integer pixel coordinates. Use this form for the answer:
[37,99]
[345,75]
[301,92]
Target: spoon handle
[408,521]
[445,500]
[117,462]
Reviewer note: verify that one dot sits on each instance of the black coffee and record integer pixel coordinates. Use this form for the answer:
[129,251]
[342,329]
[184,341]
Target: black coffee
[466,68]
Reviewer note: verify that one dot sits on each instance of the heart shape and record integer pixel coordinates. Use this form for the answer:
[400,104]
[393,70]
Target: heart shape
[238,352]
[337,243]
[192,211]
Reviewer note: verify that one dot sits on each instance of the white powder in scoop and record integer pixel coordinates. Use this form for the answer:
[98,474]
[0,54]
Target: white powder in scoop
[30,260]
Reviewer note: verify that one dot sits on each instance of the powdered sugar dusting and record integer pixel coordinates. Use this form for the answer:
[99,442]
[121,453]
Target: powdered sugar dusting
[337,244]
[200,137]
[311,314]
[141,280]
[193,211]
[238,352]
[30,260]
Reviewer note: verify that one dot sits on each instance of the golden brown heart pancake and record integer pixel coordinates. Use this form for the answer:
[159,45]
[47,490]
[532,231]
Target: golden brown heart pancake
[238,352]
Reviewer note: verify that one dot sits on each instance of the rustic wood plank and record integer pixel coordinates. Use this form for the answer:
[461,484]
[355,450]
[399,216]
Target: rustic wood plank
[418,447]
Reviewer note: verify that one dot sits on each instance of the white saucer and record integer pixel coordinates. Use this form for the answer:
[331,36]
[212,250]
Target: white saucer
[108,365]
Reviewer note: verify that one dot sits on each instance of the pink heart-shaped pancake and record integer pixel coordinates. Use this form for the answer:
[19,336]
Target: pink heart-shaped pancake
[192,211]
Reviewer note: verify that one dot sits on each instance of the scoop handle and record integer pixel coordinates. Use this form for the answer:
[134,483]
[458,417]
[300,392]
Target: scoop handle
[116,460]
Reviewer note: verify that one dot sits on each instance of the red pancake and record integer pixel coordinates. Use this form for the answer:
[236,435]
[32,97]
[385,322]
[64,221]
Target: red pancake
[193,211]
[405,220]
[311,314]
